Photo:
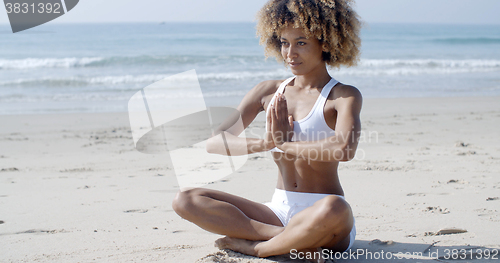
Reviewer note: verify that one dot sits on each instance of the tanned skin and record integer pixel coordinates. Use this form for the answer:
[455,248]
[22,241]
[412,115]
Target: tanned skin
[305,166]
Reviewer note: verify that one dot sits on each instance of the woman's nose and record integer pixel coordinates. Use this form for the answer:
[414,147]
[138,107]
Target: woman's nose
[291,52]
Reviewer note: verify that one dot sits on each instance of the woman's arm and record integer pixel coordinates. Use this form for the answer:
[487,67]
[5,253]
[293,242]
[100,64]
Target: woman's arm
[341,147]
[225,140]
[226,143]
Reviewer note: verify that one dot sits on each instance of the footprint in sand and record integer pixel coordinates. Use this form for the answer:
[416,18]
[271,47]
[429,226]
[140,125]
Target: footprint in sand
[436,209]
[453,181]
[84,169]
[467,153]
[446,231]
[136,211]
[228,256]
[488,214]
[415,194]
[379,242]
[256,158]
[42,231]
[12,169]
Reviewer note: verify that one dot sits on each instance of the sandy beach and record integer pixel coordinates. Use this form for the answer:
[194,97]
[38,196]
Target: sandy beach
[426,179]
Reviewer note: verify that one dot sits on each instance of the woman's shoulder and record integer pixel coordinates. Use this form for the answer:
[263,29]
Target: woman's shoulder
[264,89]
[258,96]
[345,96]
[267,87]
[342,90]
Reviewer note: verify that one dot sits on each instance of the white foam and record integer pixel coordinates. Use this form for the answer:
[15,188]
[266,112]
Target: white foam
[145,79]
[440,63]
[366,67]
[30,63]
[375,67]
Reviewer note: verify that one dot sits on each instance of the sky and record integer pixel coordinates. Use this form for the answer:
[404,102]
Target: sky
[371,11]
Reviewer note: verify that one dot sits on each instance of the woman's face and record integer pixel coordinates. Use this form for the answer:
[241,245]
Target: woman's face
[303,55]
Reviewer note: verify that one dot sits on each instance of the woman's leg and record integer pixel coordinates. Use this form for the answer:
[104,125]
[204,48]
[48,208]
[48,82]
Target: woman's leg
[326,224]
[227,214]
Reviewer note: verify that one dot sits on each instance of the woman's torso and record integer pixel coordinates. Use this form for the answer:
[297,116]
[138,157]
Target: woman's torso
[296,173]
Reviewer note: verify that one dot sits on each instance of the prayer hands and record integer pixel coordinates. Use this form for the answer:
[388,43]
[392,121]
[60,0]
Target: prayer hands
[279,123]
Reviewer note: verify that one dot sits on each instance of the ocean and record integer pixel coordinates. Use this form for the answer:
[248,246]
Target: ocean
[62,68]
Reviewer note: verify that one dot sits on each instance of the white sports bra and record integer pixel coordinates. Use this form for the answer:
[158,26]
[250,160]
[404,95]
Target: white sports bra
[313,127]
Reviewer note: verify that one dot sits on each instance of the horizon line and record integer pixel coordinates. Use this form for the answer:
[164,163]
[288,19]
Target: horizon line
[247,22]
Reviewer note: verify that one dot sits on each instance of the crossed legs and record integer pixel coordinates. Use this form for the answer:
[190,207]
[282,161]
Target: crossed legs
[252,228]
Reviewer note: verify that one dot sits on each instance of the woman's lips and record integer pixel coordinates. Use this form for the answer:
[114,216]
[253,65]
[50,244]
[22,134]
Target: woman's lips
[294,64]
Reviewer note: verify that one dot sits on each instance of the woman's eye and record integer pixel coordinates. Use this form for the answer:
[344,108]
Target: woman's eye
[284,43]
[301,43]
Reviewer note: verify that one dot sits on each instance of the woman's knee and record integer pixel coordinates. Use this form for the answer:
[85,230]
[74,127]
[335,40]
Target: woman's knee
[184,202]
[179,202]
[334,210]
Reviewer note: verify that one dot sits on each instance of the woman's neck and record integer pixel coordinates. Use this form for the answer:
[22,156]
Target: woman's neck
[316,79]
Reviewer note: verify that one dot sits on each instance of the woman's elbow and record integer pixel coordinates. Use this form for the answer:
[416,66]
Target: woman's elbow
[345,153]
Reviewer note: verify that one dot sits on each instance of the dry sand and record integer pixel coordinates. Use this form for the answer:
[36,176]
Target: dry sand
[74,189]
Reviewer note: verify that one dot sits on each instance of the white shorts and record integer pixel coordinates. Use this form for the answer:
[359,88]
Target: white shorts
[286,204]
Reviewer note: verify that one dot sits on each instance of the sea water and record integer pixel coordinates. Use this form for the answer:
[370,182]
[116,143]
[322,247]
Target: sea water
[98,67]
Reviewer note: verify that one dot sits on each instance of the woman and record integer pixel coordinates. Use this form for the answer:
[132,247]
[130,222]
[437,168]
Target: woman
[308,210]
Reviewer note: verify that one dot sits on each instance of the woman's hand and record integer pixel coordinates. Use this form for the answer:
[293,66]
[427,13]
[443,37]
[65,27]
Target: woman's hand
[281,123]
[268,136]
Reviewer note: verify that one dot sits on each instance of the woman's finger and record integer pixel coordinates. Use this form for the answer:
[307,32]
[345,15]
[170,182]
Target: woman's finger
[279,109]
[278,103]
[284,109]
[273,114]
[268,118]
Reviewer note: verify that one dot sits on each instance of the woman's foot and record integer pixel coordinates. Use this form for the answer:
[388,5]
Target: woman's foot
[248,247]
[239,245]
